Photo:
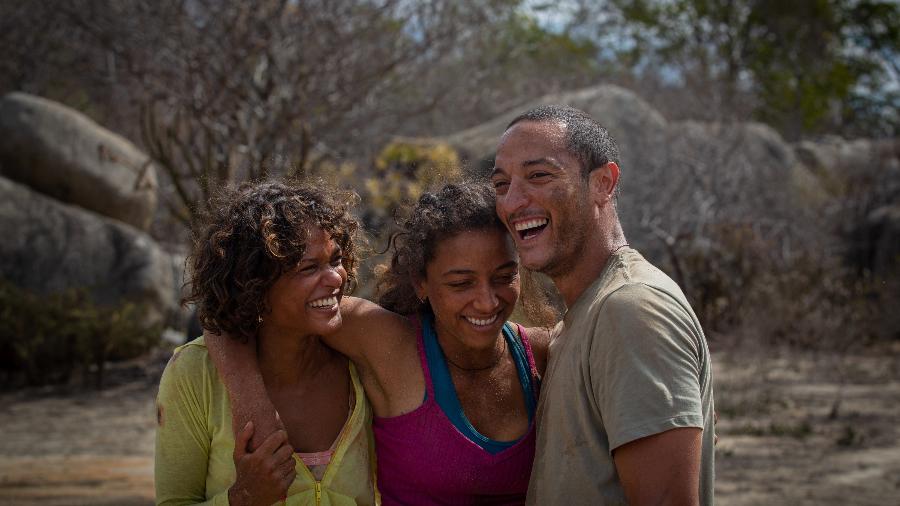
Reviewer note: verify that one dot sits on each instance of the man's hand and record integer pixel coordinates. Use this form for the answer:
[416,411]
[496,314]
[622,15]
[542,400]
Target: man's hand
[661,469]
[263,475]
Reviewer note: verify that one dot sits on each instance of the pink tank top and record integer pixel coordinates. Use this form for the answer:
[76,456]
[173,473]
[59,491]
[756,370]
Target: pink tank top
[424,460]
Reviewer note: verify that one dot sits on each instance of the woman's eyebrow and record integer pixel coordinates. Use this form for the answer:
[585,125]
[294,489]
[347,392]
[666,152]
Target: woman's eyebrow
[451,272]
[511,264]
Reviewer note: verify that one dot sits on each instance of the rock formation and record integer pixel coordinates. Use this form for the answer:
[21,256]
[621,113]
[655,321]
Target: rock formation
[62,153]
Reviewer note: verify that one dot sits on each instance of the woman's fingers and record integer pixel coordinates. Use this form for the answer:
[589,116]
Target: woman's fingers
[243,439]
[283,454]
[272,443]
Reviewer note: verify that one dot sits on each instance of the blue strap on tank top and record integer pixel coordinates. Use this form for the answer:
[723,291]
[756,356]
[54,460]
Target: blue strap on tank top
[445,392]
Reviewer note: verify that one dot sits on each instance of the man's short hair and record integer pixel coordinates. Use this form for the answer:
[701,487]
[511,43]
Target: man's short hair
[585,138]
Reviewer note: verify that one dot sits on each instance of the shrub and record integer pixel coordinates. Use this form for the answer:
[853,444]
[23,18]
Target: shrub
[44,338]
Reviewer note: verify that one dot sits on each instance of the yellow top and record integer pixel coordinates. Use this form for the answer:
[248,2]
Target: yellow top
[195,442]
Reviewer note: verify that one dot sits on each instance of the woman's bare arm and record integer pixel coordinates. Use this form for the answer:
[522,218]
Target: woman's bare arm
[239,370]
[370,336]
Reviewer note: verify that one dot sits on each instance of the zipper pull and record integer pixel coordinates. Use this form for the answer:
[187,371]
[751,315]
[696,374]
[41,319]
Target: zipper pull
[318,492]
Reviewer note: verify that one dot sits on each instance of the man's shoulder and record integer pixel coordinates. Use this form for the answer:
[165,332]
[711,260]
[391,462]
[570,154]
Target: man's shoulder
[636,295]
[632,278]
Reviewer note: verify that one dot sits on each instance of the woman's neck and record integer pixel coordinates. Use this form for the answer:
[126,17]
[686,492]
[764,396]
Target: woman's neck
[469,359]
[288,357]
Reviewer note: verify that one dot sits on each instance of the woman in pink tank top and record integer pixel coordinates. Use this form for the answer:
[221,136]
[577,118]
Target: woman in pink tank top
[453,386]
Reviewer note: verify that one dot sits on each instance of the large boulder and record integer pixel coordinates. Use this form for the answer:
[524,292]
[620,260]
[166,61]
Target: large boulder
[62,153]
[842,164]
[634,124]
[49,247]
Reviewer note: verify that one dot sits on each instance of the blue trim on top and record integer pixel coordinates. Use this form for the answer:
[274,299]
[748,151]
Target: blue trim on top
[445,392]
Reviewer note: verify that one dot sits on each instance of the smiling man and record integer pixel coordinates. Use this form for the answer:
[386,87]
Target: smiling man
[626,408]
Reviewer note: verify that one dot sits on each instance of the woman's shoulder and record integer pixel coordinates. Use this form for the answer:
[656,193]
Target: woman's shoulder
[189,363]
[539,341]
[370,326]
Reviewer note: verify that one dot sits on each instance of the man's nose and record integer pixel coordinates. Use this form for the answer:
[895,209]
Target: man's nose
[516,196]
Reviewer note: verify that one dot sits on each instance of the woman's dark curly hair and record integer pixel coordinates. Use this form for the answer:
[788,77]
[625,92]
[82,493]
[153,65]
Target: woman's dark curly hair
[250,237]
[455,208]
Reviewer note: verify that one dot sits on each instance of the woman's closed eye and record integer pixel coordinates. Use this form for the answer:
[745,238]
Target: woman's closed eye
[506,278]
[459,284]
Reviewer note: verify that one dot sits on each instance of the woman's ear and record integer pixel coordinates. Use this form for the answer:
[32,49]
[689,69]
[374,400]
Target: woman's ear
[421,289]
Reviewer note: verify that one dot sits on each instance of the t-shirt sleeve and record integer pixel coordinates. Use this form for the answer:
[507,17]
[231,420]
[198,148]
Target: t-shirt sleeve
[182,435]
[645,365]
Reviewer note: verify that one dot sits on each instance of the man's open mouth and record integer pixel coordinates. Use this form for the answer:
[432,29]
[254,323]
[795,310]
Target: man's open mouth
[530,228]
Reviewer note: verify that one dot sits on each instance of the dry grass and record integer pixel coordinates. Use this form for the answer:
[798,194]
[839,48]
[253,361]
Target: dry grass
[781,442]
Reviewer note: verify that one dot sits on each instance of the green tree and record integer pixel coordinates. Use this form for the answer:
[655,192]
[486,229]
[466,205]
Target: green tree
[805,66]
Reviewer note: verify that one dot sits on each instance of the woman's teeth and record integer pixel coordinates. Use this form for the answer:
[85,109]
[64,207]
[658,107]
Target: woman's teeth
[326,302]
[481,322]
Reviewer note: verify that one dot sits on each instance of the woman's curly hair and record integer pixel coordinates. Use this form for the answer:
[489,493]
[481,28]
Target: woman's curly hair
[455,208]
[250,237]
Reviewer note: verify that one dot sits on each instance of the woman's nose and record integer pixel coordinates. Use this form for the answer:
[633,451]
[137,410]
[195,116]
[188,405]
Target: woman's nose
[486,300]
[334,276]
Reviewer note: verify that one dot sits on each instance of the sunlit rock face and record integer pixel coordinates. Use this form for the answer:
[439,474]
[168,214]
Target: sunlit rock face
[62,153]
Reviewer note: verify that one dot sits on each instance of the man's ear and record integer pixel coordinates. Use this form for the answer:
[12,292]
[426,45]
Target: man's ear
[603,181]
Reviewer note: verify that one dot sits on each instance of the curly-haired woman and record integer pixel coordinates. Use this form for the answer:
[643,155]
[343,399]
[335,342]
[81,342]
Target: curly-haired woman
[270,265]
[453,386]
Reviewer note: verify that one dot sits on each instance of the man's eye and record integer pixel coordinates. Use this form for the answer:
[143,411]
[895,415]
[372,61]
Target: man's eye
[459,284]
[536,175]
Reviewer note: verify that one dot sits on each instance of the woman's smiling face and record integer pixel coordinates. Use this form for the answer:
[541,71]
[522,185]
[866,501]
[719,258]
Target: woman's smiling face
[472,285]
[309,295]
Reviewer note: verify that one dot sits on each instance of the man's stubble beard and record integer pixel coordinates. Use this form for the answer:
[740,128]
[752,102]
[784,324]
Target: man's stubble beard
[571,242]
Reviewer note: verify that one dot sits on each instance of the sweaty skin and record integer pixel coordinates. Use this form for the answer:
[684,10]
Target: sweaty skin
[382,344]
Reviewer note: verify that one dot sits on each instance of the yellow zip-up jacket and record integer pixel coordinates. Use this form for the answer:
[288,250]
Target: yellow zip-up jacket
[195,442]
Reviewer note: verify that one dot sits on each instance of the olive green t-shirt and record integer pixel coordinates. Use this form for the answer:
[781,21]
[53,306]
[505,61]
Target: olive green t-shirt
[628,361]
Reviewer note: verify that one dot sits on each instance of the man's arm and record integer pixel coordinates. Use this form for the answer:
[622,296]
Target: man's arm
[646,372]
[661,469]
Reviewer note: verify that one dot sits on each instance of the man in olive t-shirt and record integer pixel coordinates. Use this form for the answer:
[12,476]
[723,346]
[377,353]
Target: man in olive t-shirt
[626,409]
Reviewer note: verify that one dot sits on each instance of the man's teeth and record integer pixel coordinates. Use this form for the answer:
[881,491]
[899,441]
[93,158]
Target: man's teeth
[326,302]
[525,225]
[476,321]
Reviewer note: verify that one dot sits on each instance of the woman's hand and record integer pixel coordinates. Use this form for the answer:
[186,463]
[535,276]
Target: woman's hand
[263,475]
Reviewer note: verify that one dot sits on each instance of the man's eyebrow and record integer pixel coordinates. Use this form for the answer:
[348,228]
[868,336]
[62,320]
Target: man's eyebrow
[528,163]
[542,161]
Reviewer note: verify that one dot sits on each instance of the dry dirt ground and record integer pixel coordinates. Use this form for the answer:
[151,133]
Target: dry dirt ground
[782,440]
